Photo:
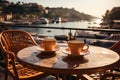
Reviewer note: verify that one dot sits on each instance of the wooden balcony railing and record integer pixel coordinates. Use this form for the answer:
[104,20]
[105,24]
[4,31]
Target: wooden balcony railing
[70,30]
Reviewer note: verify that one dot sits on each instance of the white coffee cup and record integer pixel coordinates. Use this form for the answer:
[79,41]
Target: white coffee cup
[76,47]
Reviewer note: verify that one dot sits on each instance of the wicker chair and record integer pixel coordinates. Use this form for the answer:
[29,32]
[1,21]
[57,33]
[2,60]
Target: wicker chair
[114,73]
[11,41]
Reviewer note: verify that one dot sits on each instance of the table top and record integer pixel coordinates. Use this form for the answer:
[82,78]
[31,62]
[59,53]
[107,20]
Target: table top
[95,59]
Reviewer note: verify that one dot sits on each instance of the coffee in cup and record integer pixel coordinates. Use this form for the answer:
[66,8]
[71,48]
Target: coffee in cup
[76,47]
[48,44]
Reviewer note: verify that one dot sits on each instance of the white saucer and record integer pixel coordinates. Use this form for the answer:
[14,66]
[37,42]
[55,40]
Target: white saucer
[42,49]
[83,53]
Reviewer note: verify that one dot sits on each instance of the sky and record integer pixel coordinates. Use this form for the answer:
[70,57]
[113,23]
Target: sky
[92,7]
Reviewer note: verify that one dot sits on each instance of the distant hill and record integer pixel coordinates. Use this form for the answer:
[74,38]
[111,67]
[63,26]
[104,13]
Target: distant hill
[21,9]
[70,14]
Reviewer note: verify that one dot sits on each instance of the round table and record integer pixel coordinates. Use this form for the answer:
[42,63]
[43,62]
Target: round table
[99,59]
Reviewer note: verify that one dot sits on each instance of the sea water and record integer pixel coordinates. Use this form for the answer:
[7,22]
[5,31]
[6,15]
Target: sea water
[53,32]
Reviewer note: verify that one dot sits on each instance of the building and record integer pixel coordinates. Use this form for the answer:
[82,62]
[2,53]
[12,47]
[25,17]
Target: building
[1,18]
[4,3]
[5,17]
[114,9]
[115,24]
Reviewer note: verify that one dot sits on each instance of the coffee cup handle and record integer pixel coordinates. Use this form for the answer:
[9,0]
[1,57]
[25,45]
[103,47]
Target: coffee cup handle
[86,48]
[41,44]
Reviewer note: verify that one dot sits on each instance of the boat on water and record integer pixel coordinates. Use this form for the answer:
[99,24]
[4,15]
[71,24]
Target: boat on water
[7,23]
[61,37]
[56,20]
[97,39]
[91,34]
[41,21]
[21,22]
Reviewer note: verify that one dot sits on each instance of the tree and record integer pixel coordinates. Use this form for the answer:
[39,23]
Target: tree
[14,8]
[106,16]
[34,9]
[115,15]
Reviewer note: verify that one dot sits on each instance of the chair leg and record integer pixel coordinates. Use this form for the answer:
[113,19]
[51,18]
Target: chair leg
[82,77]
[6,75]
[57,76]
[103,77]
[113,78]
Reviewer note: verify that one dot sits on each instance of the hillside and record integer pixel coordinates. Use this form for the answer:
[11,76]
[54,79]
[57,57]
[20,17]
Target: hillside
[24,10]
[70,14]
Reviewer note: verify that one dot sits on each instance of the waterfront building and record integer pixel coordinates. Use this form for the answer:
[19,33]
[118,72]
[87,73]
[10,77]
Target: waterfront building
[115,24]
[4,3]
[5,17]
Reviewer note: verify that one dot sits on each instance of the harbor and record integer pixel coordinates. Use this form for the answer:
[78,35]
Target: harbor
[59,40]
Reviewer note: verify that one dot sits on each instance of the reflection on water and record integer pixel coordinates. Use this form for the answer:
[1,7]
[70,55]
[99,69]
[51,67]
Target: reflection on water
[95,23]
[52,32]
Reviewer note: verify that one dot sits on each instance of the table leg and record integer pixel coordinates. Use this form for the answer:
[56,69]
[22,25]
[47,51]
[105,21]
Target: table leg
[57,77]
[80,76]
[63,77]
[68,77]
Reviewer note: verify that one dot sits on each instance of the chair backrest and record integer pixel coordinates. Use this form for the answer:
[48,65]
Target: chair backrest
[11,41]
[15,40]
[116,47]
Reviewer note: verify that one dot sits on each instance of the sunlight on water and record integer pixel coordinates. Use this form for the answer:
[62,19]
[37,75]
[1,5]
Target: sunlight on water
[95,23]
[98,21]
[52,32]
[66,24]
